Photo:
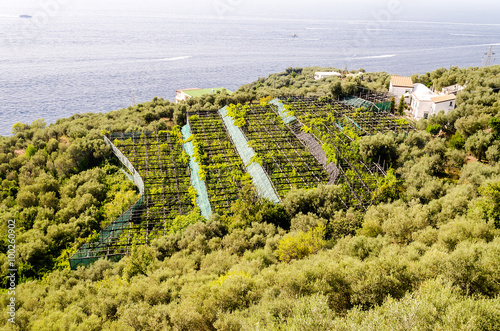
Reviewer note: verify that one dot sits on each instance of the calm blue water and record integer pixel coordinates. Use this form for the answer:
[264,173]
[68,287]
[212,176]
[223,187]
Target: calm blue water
[93,64]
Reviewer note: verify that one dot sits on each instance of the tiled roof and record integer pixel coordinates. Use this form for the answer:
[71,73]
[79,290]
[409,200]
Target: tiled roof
[401,81]
[443,98]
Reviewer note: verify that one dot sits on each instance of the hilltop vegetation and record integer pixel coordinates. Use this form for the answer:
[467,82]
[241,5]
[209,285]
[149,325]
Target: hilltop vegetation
[425,257]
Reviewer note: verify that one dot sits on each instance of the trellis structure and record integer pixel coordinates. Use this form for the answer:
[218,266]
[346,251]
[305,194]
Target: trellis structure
[159,160]
[363,118]
[260,179]
[222,167]
[284,157]
[381,100]
[309,141]
[162,163]
[160,167]
[337,126]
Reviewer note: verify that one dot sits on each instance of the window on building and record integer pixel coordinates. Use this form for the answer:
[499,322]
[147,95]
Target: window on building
[426,115]
[451,103]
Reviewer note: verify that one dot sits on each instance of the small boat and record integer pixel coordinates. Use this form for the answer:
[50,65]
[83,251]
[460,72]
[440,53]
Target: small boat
[294,35]
[25,16]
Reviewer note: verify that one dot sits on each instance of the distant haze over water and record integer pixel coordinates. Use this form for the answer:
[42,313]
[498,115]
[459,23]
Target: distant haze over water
[95,63]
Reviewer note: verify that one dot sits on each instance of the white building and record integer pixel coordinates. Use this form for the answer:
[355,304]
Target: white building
[443,102]
[401,86]
[425,103]
[453,89]
[421,101]
[320,75]
[182,95]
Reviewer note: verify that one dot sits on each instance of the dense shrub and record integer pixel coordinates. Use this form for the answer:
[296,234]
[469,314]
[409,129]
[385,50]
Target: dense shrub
[433,128]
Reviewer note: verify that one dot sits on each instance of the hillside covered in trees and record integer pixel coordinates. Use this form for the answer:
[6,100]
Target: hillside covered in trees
[424,255]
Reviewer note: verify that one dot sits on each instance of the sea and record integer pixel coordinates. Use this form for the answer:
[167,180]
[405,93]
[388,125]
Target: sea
[54,67]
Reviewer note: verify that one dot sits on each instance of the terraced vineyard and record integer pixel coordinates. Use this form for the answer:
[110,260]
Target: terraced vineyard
[286,160]
[367,121]
[160,169]
[339,127]
[300,143]
[221,166]
[163,165]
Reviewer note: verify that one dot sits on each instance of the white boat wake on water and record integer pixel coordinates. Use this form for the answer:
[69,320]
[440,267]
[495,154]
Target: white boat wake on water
[465,34]
[169,59]
[373,57]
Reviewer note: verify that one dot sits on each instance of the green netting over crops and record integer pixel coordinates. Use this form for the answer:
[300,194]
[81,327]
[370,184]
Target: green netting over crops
[356,102]
[259,177]
[353,122]
[91,252]
[283,113]
[136,178]
[201,189]
[129,176]
[384,106]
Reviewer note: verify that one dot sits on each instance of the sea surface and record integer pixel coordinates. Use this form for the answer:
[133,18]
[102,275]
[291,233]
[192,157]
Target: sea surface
[60,66]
